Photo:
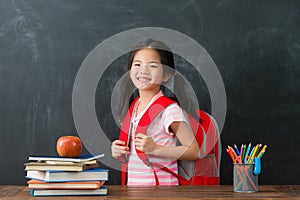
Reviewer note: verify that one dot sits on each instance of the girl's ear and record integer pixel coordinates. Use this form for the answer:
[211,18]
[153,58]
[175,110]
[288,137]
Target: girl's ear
[166,77]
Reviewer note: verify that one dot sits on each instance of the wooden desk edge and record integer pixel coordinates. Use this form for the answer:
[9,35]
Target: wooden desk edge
[169,192]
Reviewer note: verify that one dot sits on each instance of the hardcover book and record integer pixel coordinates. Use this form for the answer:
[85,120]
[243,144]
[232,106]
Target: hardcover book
[41,192]
[35,184]
[96,174]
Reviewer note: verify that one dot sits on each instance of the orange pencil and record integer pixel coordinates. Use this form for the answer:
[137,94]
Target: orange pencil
[231,155]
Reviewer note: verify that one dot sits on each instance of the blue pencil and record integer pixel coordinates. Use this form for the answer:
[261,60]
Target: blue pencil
[252,151]
[237,150]
[247,152]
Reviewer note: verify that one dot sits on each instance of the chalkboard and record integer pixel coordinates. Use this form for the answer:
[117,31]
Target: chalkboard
[255,45]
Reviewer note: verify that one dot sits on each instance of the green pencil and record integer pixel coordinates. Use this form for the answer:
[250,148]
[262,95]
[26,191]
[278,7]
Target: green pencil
[244,152]
[261,153]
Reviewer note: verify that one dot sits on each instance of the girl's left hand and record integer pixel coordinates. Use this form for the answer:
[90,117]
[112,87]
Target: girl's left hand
[144,143]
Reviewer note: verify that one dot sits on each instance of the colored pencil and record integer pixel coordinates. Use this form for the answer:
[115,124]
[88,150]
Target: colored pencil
[253,154]
[238,158]
[231,155]
[244,152]
[241,152]
[237,150]
[261,153]
[247,152]
[249,157]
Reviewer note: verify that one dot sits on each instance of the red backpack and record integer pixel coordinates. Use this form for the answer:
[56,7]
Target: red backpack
[204,170]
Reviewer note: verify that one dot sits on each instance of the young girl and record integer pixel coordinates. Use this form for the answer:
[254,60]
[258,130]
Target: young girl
[151,64]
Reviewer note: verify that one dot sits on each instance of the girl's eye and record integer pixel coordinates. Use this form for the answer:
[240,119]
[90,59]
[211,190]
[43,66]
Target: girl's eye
[153,66]
[136,64]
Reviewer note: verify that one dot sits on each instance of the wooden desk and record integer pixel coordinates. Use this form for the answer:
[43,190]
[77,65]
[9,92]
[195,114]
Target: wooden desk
[168,192]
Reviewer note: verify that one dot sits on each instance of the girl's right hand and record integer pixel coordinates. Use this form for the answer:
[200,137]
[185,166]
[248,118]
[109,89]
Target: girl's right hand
[118,149]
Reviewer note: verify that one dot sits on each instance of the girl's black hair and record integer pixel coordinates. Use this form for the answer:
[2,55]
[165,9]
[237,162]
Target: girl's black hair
[128,92]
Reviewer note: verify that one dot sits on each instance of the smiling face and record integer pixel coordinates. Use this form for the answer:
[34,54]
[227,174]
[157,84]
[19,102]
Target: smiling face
[146,70]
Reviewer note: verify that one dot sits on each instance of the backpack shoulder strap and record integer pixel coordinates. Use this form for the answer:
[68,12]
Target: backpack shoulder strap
[124,133]
[125,136]
[157,107]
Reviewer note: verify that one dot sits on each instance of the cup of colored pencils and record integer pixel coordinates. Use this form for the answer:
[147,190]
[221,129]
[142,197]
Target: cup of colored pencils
[246,166]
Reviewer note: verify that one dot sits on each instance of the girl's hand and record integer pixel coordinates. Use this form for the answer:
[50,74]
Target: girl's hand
[145,143]
[118,149]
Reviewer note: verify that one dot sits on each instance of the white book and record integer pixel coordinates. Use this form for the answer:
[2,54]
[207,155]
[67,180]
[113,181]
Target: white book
[96,174]
[53,158]
[40,192]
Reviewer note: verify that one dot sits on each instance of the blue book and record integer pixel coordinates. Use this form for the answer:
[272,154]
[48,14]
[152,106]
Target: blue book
[96,174]
[102,191]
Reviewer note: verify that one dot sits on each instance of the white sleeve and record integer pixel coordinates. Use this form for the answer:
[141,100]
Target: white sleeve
[172,113]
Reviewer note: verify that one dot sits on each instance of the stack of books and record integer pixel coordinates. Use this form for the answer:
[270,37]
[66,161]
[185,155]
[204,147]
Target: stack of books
[52,176]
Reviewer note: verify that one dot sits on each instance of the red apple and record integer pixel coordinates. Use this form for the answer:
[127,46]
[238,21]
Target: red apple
[69,146]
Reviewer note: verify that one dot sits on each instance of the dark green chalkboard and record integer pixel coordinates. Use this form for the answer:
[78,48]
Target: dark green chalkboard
[255,44]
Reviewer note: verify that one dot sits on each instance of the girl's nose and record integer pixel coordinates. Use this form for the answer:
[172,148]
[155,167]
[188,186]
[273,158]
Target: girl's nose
[144,69]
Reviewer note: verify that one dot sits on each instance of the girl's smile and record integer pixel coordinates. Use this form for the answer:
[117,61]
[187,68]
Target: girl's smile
[144,79]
